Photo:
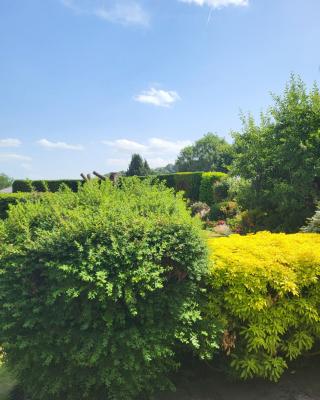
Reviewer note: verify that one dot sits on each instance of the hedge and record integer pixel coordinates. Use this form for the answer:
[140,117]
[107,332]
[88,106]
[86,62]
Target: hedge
[198,186]
[207,187]
[265,290]
[100,290]
[45,185]
[7,199]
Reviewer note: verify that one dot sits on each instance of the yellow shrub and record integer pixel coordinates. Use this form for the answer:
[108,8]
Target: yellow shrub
[265,289]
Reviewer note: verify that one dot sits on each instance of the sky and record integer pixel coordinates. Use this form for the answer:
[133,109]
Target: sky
[86,83]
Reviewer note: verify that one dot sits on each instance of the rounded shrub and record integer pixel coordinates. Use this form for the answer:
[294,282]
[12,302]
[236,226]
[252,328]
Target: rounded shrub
[98,290]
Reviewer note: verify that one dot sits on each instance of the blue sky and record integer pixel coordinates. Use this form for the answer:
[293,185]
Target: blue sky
[85,83]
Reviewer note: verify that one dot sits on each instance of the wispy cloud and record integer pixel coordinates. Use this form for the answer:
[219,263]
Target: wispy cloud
[10,142]
[158,97]
[217,3]
[14,157]
[125,12]
[59,145]
[158,152]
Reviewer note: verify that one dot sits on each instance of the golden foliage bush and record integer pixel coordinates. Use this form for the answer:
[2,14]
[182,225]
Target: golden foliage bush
[265,290]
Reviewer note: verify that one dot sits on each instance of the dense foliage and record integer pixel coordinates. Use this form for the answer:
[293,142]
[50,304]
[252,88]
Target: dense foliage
[214,192]
[45,185]
[197,186]
[98,288]
[7,199]
[280,160]
[5,181]
[265,289]
[138,166]
[210,153]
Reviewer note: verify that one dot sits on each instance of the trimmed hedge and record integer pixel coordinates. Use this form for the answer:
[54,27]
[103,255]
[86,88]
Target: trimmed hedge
[198,186]
[7,199]
[189,182]
[208,192]
[100,289]
[44,185]
[265,290]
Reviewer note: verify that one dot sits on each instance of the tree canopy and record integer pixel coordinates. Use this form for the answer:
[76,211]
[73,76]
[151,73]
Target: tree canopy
[5,181]
[210,153]
[280,159]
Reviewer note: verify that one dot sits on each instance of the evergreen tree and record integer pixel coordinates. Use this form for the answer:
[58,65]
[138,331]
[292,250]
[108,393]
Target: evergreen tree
[138,166]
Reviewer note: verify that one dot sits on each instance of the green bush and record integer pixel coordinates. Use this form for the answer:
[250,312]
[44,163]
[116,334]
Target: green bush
[7,199]
[99,288]
[265,290]
[208,192]
[43,186]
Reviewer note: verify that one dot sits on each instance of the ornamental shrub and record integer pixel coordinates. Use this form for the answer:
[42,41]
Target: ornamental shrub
[99,288]
[265,290]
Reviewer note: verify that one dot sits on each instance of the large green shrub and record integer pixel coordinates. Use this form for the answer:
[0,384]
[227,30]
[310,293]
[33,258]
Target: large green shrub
[98,288]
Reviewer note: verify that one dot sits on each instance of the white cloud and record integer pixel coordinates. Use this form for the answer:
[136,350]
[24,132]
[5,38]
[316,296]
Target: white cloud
[125,12]
[168,146]
[59,145]
[158,152]
[217,3]
[158,97]
[10,142]
[125,145]
[14,157]
[152,146]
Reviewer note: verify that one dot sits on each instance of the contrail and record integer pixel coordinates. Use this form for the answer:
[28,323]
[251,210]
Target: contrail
[210,15]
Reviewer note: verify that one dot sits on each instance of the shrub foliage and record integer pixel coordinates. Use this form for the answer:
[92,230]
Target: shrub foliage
[98,288]
[7,199]
[265,289]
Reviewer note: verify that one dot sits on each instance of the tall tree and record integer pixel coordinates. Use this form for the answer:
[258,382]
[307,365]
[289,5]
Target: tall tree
[138,166]
[210,153]
[5,181]
[280,159]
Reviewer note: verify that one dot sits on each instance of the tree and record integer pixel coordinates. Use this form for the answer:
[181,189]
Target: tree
[5,181]
[138,166]
[210,153]
[280,159]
